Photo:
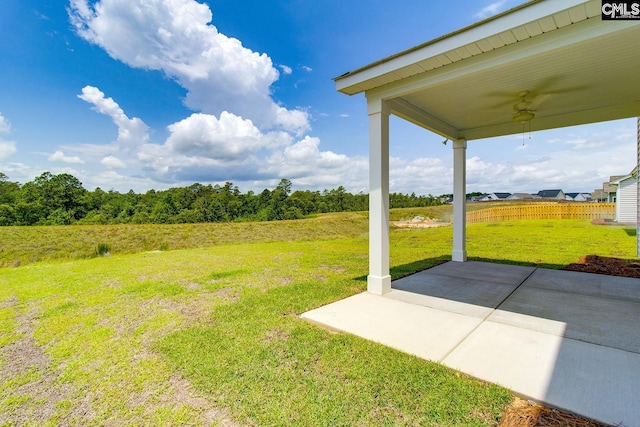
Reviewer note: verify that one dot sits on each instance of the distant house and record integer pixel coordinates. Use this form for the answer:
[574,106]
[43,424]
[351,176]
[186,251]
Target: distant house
[493,196]
[523,196]
[578,197]
[551,194]
[627,197]
[609,190]
[598,195]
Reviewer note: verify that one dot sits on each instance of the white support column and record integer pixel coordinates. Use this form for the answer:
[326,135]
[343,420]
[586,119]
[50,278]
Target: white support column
[379,279]
[459,201]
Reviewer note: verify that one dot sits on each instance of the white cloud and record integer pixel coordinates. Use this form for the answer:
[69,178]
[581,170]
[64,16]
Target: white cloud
[285,69]
[113,162]
[59,156]
[176,37]
[131,132]
[229,138]
[7,149]
[5,126]
[122,182]
[307,69]
[491,9]
[425,175]
[306,165]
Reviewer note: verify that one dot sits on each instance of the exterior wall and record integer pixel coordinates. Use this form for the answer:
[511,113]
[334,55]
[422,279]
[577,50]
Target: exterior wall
[626,196]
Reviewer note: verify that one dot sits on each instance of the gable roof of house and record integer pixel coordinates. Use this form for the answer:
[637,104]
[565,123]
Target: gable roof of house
[549,193]
[633,174]
[524,196]
[582,194]
[502,195]
[611,186]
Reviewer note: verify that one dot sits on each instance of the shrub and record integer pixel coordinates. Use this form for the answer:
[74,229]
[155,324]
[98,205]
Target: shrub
[102,249]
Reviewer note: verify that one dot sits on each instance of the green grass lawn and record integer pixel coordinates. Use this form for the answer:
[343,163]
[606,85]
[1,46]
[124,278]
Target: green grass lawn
[211,334]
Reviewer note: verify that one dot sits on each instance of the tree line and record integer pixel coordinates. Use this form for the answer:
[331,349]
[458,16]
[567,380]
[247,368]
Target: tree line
[61,199]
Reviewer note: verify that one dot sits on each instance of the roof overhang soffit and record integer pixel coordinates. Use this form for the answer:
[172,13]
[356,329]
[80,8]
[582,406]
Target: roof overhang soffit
[499,62]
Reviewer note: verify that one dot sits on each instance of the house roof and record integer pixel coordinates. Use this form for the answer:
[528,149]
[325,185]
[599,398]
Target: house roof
[574,195]
[549,193]
[575,66]
[502,195]
[524,196]
[633,174]
[611,186]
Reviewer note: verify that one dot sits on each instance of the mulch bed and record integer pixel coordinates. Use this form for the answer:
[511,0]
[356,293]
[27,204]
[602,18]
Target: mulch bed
[523,413]
[606,265]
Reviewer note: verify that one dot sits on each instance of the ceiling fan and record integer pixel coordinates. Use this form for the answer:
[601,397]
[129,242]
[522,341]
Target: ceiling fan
[524,110]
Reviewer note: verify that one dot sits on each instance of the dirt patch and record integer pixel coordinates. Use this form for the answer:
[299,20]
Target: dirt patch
[230,294]
[420,222]
[523,413]
[606,265]
[183,392]
[35,382]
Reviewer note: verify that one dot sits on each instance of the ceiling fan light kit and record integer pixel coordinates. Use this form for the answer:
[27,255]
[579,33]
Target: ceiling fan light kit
[524,110]
[523,116]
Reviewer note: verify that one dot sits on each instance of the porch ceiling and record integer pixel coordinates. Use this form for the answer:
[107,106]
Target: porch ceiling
[464,85]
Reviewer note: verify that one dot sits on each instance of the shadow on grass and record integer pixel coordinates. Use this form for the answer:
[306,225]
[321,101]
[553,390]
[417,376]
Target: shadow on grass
[631,232]
[400,271]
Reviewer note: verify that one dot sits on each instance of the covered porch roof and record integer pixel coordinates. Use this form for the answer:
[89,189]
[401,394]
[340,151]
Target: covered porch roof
[574,67]
[544,64]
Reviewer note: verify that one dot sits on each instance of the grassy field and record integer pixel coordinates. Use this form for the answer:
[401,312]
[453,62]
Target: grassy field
[25,245]
[209,334]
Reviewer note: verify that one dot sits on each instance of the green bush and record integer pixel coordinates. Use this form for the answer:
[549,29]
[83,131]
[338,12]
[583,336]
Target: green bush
[102,249]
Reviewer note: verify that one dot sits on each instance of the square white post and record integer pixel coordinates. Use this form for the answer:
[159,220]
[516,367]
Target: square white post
[379,279]
[459,201]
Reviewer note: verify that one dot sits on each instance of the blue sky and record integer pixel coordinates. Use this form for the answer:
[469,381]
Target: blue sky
[141,94]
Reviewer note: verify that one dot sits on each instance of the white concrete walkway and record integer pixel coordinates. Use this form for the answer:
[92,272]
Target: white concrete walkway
[570,340]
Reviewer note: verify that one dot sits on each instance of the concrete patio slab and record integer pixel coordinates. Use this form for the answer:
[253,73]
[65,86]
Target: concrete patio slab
[407,327]
[566,339]
[595,381]
[495,273]
[577,282]
[452,306]
[486,294]
[604,321]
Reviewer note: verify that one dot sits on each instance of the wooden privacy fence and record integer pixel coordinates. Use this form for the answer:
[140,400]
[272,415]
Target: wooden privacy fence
[544,211]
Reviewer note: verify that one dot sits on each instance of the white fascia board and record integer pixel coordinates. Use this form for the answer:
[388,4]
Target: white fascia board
[479,31]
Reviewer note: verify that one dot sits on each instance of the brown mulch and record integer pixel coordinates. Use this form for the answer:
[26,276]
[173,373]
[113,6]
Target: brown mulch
[523,413]
[606,265]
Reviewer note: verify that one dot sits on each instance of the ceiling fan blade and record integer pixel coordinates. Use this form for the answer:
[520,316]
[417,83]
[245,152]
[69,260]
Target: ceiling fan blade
[539,99]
